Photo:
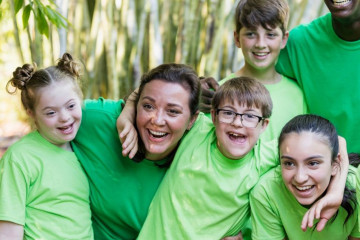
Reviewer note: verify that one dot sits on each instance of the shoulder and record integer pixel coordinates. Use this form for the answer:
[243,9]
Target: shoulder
[104,105]
[268,185]
[314,28]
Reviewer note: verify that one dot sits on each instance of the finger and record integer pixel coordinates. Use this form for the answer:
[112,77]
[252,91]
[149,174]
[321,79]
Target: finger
[304,221]
[321,224]
[311,216]
[319,208]
[125,131]
[133,151]
[212,83]
[127,140]
[207,93]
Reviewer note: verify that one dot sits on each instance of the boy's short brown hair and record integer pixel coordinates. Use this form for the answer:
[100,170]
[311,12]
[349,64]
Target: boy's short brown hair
[267,13]
[247,91]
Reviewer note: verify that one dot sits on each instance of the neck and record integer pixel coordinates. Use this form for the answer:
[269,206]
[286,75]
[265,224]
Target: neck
[347,30]
[269,76]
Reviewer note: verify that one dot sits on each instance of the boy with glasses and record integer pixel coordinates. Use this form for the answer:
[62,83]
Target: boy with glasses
[205,193]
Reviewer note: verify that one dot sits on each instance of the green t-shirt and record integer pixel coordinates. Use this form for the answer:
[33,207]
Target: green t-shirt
[328,70]
[44,188]
[288,102]
[276,214]
[120,189]
[205,195]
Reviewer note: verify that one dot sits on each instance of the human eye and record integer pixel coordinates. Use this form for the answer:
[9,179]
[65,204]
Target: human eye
[50,113]
[287,163]
[250,34]
[148,107]
[250,117]
[173,112]
[314,163]
[272,34]
[227,113]
[71,106]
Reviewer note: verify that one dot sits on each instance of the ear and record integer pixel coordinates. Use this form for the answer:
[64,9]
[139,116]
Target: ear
[284,39]
[236,39]
[264,124]
[30,113]
[192,120]
[213,116]
[335,165]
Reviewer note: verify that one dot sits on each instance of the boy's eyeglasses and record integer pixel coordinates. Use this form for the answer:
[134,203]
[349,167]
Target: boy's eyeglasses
[247,120]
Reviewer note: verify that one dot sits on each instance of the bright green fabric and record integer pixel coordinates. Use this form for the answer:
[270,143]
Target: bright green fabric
[328,70]
[288,102]
[205,195]
[121,189]
[276,214]
[44,188]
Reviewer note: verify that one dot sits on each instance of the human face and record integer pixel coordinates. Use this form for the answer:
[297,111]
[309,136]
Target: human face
[260,47]
[344,10]
[306,166]
[163,115]
[57,113]
[233,139]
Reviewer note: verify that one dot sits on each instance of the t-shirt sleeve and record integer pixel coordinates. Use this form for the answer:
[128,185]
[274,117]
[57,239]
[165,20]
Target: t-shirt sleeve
[285,63]
[266,224]
[14,185]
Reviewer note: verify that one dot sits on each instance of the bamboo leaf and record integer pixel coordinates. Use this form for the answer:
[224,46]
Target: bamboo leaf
[26,15]
[0,1]
[18,4]
[42,24]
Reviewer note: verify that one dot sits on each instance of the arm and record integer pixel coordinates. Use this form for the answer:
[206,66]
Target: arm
[11,231]
[327,206]
[206,93]
[125,125]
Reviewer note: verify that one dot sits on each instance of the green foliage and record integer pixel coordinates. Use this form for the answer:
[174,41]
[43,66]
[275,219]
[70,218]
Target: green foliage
[43,15]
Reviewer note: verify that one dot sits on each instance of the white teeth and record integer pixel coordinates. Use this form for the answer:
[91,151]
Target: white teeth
[260,54]
[235,134]
[303,188]
[158,134]
[340,2]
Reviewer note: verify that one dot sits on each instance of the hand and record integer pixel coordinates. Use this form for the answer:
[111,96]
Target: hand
[128,137]
[237,237]
[206,93]
[323,209]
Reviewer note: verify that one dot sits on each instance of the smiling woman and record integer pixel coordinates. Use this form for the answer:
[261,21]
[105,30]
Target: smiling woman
[121,188]
[309,156]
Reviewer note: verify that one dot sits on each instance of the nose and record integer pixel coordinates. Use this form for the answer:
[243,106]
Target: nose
[158,118]
[260,43]
[301,175]
[237,121]
[64,116]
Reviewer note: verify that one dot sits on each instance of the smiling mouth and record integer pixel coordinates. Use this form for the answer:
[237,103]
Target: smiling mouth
[304,189]
[260,54]
[67,129]
[340,2]
[157,134]
[236,137]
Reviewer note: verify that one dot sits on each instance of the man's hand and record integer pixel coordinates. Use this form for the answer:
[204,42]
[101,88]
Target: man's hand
[208,87]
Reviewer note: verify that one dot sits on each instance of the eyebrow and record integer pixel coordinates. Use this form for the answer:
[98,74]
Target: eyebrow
[169,104]
[309,158]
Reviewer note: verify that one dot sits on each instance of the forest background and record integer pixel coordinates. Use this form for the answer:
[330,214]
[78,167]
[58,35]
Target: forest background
[117,41]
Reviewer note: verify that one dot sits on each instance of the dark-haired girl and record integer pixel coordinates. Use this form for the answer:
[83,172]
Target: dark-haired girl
[309,157]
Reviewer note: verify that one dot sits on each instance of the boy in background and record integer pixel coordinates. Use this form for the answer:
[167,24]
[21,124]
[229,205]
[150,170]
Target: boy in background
[261,34]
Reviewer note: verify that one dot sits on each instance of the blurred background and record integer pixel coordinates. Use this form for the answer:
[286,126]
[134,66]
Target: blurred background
[117,41]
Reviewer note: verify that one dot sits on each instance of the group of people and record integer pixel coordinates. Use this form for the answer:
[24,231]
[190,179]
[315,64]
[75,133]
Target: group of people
[263,160]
